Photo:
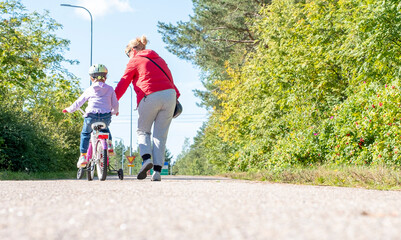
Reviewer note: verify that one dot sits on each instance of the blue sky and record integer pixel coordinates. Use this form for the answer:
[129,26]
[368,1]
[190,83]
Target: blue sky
[115,22]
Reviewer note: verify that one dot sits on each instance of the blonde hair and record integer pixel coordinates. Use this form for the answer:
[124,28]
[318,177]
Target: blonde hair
[99,79]
[138,44]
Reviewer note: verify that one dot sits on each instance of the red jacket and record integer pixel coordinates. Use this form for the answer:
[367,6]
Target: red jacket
[145,76]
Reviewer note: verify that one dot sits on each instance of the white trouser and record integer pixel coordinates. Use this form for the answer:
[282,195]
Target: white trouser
[155,109]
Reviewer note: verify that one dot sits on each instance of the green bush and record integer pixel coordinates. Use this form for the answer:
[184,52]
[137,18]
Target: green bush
[34,88]
[319,84]
[306,95]
[363,130]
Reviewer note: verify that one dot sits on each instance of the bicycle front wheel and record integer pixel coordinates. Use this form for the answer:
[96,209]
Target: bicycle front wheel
[101,164]
[90,170]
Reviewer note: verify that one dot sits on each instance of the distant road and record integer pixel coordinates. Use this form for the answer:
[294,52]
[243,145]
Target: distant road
[182,207]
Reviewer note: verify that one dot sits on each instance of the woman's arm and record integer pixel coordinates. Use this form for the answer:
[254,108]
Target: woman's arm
[125,81]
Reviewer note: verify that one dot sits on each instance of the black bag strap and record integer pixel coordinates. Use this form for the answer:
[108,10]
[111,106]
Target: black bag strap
[170,81]
[159,68]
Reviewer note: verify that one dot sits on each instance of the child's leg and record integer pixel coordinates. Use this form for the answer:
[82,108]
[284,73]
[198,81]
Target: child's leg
[85,134]
[85,138]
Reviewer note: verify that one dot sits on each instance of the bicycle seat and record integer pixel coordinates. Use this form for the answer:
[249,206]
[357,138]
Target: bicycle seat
[98,126]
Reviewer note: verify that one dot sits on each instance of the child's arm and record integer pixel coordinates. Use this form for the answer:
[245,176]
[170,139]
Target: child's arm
[114,104]
[77,104]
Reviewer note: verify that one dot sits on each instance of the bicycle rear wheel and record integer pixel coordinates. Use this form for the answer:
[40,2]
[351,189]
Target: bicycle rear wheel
[101,160]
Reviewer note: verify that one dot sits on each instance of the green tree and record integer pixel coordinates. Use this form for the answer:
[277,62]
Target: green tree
[168,158]
[314,88]
[34,88]
[311,59]
[218,32]
[119,150]
[192,160]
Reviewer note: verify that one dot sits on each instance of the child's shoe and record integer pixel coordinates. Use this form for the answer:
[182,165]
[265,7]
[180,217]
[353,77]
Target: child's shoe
[110,148]
[82,162]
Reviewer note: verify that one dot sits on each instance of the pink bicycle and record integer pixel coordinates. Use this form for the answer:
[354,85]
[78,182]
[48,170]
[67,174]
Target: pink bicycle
[98,155]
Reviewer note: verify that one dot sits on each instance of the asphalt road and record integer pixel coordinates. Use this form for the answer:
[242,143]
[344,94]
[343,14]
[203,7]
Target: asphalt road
[181,207]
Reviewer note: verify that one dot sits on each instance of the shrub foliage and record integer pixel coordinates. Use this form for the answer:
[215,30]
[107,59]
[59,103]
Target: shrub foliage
[321,85]
[34,87]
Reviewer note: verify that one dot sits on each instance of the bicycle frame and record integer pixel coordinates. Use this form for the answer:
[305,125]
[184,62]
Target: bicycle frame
[93,143]
[100,160]
[97,154]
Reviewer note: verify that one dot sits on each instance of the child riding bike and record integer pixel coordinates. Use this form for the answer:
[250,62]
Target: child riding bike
[102,104]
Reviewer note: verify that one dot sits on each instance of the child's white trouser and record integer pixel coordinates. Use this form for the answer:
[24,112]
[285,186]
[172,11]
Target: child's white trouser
[155,109]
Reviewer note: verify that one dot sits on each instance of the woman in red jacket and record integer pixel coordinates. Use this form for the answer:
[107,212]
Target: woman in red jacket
[156,99]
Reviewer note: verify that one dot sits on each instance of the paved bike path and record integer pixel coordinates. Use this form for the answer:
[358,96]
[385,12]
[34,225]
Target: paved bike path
[182,207]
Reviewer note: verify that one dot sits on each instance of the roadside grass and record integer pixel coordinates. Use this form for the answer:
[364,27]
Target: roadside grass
[374,177]
[8,175]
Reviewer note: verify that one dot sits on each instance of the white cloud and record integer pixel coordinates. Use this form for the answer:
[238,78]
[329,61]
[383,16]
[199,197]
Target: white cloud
[100,8]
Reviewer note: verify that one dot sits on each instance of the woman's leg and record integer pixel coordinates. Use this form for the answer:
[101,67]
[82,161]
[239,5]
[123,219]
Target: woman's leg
[161,127]
[156,108]
[147,112]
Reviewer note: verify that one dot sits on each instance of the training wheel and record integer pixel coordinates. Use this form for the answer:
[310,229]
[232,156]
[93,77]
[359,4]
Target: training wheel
[120,174]
[80,173]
